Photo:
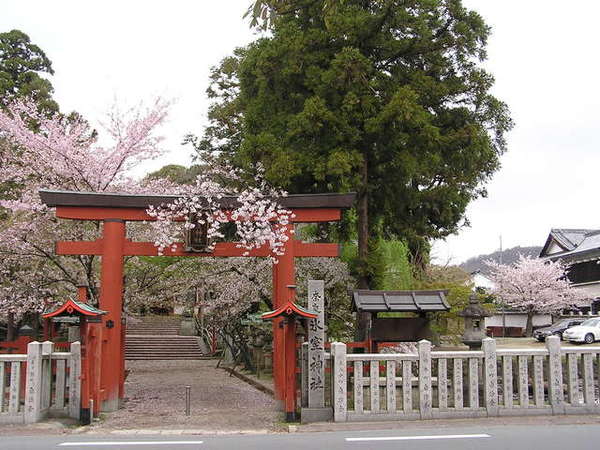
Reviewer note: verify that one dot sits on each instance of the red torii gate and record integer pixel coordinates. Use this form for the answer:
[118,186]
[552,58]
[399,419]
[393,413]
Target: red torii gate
[114,210]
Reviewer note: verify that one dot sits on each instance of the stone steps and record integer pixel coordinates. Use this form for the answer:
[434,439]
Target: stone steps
[156,338]
[155,326]
[154,331]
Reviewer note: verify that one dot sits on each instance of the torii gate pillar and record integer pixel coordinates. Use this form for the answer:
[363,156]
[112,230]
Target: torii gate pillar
[111,294]
[284,275]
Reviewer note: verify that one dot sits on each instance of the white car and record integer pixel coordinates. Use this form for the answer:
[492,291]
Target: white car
[588,332]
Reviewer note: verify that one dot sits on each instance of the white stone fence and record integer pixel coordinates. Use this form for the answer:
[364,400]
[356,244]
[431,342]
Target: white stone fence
[51,380]
[491,382]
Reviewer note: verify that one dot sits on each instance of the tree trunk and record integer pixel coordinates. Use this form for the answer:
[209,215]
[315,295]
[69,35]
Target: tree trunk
[36,322]
[364,281]
[418,249]
[362,210]
[11,332]
[529,326]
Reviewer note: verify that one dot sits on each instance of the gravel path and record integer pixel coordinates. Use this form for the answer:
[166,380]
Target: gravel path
[155,392]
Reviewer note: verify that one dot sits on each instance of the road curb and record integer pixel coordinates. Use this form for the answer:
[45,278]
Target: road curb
[558,420]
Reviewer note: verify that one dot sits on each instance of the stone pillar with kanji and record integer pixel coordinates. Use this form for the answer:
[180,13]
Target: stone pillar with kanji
[316,410]
[316,345]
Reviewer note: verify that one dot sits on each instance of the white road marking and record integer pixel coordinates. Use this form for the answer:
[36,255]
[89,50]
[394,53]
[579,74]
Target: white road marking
[120,443]
[418,438]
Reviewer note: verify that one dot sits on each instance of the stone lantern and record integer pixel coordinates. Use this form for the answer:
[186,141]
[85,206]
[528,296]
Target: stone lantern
[474,315]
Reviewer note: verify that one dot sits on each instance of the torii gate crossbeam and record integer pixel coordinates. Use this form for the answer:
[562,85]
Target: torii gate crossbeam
[115,210]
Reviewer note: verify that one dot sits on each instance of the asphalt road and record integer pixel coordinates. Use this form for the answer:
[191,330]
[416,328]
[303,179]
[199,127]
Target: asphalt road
[513,437]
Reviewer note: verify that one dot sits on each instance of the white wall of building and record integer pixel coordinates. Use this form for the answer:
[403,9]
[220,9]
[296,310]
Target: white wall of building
[591,290]
[517,320]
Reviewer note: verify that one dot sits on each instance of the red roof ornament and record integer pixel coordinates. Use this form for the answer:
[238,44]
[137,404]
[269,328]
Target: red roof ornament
[290,309]
[72,306]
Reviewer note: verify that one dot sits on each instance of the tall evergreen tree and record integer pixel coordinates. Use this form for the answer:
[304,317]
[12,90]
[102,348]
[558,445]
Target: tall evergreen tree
[383,97]
[21,66]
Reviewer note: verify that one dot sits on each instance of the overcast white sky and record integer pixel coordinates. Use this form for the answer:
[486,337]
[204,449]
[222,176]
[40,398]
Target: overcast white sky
[543,53]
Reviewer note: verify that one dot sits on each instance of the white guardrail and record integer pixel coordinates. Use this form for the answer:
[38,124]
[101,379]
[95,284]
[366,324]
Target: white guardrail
[490,382]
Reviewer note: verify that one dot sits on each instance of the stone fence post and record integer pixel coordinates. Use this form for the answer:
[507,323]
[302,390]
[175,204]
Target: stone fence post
[425,391]
[75,381]
[490,376]
[47,350]
[555,381]
[339,387]
[33,383]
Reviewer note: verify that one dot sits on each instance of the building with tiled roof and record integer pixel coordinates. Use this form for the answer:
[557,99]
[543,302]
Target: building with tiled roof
[580,250]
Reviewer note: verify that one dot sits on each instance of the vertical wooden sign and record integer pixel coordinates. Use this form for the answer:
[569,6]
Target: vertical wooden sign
[316,345]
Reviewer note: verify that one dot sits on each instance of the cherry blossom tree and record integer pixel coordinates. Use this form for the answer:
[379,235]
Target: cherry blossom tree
[258,217]
[54,151]
[64,152]
[225,292]
[23,288]
[533,285]
[242,286]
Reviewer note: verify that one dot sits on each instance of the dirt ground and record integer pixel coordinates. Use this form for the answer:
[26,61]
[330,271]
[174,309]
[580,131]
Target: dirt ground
[220,403]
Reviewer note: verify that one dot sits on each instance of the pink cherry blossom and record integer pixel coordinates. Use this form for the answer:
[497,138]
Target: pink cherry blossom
[58,152]
[533,285]
[258,217]
[40,151]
